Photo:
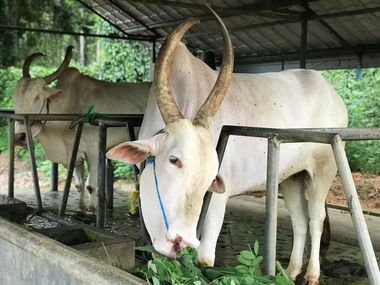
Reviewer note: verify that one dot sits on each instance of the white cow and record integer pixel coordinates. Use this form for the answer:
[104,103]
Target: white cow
[72,95]
[185,161]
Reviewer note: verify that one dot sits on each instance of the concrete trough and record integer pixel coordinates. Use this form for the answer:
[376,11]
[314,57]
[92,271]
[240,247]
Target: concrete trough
[13,209]
[31,258]
[105,246]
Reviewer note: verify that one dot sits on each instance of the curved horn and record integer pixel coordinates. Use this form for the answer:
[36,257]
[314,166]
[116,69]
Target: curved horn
[209,108]
[50,78]
[165,99]
[27,62]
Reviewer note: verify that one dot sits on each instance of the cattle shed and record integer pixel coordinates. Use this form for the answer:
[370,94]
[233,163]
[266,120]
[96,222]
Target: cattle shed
[267,35]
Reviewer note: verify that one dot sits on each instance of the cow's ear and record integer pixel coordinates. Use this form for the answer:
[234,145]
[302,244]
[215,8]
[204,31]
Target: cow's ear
[136,151]
[58,94]
[217,185]
[52,94]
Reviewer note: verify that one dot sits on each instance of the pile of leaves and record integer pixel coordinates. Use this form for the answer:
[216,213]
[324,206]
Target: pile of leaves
[164,271]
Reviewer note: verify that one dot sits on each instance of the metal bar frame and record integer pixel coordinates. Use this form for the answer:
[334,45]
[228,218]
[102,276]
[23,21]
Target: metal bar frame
[332,136]
[101,205]
[11,167]
[54,177]
[271,205]
[70,33]
[113,120]
[70,170]
[303,48]
[130,122]
[32,157]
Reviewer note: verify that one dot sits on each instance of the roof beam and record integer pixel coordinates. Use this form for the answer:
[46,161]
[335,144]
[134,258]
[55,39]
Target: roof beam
[224,11]
[283,22]
[267,24]
[59,32]
[311,54]
[118,6]
[330,29]
[127,35]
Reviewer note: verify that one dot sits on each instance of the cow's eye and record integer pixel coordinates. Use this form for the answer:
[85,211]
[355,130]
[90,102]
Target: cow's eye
[175,161]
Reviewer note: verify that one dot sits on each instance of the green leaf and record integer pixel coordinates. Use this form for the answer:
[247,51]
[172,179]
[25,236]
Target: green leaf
[247,254]
[152,266]
[256,247]
[155,281]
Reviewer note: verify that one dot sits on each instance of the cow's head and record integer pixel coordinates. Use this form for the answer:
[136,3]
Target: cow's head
[185,160]
[32,95]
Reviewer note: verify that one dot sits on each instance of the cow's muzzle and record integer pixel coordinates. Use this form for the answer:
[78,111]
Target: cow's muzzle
[178,242]
[20,139]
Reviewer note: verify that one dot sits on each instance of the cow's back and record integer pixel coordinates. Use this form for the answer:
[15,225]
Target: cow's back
[289,99]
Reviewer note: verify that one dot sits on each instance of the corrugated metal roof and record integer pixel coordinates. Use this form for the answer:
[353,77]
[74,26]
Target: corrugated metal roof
[340,33]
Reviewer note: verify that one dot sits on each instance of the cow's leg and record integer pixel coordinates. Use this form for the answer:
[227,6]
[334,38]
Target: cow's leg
[293,190]
[211,229]
[92,183]
[318,188]
[80,183]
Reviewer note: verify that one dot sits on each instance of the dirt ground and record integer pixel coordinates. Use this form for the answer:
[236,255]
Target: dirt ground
[367,185]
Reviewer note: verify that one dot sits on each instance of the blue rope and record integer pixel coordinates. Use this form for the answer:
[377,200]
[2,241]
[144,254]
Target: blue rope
[152,160]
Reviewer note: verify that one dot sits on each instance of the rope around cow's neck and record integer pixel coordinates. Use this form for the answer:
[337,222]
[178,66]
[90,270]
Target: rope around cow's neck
[152,160]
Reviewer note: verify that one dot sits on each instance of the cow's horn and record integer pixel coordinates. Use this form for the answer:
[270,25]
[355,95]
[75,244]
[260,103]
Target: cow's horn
[27,62]
[50,78]
[209,108]
[165,99]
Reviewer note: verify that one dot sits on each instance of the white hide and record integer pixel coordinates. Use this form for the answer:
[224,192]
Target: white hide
[72,95]
[288,99]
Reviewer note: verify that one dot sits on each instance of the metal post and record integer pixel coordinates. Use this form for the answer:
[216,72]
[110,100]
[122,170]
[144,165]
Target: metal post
[54,176]
[220,149]
[132,137]
[303,42]
[11,148]
[109,184]
[32,156]
[101,207]
[355,210]
[65,197]
[271,206]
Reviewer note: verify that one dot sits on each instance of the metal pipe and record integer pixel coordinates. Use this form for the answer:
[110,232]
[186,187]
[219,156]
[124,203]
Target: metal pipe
[355,210]
[101,207]
[273,158]
[109,184]
[132,137]
[59,32]
[220,149]
[303,42]
[70,170]
[32,157]
[54,177]
[11,168]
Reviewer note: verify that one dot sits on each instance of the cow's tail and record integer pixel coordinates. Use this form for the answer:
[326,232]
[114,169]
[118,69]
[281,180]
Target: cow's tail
[326,237]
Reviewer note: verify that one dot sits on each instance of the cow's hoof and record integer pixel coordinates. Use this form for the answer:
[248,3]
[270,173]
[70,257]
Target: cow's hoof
[204,262]
[310,281]
[82,208]
[91,210]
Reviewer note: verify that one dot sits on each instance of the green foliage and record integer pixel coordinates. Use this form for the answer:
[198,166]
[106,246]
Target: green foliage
[184,271]
[122,170]
[125,61]
[65,15]
[362,98]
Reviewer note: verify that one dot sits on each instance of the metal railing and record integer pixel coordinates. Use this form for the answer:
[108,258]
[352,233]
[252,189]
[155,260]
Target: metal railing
[332,136]
[117,120]
[276,137]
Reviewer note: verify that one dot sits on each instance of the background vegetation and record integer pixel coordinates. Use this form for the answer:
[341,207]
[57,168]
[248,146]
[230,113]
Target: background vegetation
[117,60]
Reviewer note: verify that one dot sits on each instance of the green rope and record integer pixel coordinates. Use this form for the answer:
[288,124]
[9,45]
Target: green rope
[88,117]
